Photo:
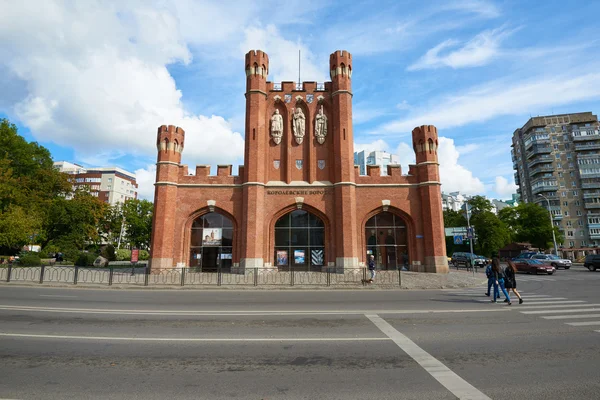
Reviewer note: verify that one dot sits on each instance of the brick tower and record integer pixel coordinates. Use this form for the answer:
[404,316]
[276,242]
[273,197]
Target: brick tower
[425,145]
[169,144]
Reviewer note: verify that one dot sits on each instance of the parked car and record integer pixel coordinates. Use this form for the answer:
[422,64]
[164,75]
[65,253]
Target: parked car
[467,260]
[525,255]
[554,260]
[533,266]
[592,261]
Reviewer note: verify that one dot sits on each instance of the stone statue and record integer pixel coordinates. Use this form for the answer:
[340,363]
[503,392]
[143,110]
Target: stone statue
[321,126]
[276,127]
[299,125]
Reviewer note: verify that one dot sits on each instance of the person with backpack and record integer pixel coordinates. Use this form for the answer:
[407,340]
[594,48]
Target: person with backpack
[510,281]
[490,276]
[498,275]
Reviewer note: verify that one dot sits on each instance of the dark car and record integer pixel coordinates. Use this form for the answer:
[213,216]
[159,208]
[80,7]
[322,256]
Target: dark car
[554,260]
[533,266]
[467,260]
[592,261]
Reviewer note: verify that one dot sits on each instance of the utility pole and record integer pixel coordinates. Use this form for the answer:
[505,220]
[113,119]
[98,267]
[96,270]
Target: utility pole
[551,224]
[470,234]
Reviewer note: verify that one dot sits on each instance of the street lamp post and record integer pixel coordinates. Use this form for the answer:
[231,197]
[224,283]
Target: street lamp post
[551,224]
[470,233]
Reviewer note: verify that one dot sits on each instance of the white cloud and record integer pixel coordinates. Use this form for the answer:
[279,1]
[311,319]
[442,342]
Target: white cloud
[486,9]
[406,154]
[482,103]
[283,55]
[377,145]
[467,148]
[504,188]
[145,178]
[454,176]
[477,52]
[96,80]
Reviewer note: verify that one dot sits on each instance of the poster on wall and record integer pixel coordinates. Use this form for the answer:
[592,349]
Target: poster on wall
[226,256]
[316,257]
[211,237]
[282,257]
[298,256]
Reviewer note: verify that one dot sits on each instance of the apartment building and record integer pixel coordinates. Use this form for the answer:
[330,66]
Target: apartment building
[381,158]
[111,184]
[556,159]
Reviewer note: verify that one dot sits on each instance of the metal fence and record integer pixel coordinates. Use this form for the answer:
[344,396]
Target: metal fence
[143,276]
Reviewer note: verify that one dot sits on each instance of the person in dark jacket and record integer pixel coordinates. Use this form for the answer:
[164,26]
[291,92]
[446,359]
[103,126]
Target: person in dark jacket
[491,280]
[372,268]
[499,280]
[510,281]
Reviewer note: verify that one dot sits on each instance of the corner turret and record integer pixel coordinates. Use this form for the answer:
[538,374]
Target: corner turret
[169,143]
[425,143]
[257,69]
[340,70]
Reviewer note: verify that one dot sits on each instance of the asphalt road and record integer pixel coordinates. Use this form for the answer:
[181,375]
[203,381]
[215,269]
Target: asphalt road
[445,344]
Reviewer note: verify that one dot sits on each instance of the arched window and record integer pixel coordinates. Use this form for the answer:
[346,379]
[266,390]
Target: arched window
[211,242]
[387,239]
[300,241]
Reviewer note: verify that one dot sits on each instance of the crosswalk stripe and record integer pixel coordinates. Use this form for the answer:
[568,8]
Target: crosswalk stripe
[534,303]
[526,306]
[572,316]
[549,300]
[588,323]
[574,310]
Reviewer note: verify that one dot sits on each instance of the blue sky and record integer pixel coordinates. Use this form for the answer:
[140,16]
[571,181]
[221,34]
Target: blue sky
[93,80]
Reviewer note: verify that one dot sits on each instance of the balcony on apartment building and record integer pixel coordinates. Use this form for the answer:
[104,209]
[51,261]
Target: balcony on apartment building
[537,139]
[540,169]
[543,158]
[580,136]
[590,194]
[589,173]
[543,185]
[592,204]
[593,145]
[539,149]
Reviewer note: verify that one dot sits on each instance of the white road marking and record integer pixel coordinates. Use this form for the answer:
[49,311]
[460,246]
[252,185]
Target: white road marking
[573,316]
[526,306]
[154,339]
[560,311]
[535,302]
[543,301]
[450,380]
[56,295]
[226,313]
[588,323]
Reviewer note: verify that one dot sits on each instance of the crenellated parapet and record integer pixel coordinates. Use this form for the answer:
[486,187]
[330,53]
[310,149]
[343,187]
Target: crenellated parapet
[340,64]
[202,176]
[374,176]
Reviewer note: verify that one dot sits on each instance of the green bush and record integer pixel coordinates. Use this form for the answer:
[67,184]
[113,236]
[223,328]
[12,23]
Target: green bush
[123,255]
[86,259]
[109,253]
[144,255]
[30,260]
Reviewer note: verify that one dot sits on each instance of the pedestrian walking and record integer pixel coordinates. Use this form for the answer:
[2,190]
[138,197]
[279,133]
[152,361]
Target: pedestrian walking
[372,268]
[499,280]
[491,280]
[510,282]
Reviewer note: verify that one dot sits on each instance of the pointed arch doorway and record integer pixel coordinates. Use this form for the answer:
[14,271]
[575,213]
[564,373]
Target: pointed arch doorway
[386,238]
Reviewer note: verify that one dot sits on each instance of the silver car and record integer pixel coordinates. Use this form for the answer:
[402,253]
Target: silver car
[556,261]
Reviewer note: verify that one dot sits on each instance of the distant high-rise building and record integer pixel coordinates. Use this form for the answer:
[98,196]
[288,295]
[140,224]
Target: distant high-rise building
[112,185]
[557,164]
[381,158]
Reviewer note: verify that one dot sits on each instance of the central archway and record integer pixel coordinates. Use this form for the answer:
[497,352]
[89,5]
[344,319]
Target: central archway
[386,238]
[300,241]
[211,242]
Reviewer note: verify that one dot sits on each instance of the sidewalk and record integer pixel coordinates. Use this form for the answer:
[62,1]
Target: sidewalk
[409,280]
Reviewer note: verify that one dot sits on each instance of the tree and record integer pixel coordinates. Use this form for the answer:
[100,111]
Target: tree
[532,225]
[492,234]
[454,219]
[138,222]
[479,204]
[28,186]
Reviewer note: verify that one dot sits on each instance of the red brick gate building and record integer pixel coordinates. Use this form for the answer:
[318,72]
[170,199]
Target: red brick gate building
[299,200]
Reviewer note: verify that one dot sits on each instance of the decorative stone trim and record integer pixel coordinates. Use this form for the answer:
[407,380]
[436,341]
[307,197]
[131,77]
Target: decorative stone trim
[299,202]
[385,204]
[211,205]
[341,92]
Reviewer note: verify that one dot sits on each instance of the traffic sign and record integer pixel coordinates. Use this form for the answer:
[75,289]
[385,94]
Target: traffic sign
[470,233]
[458,239]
